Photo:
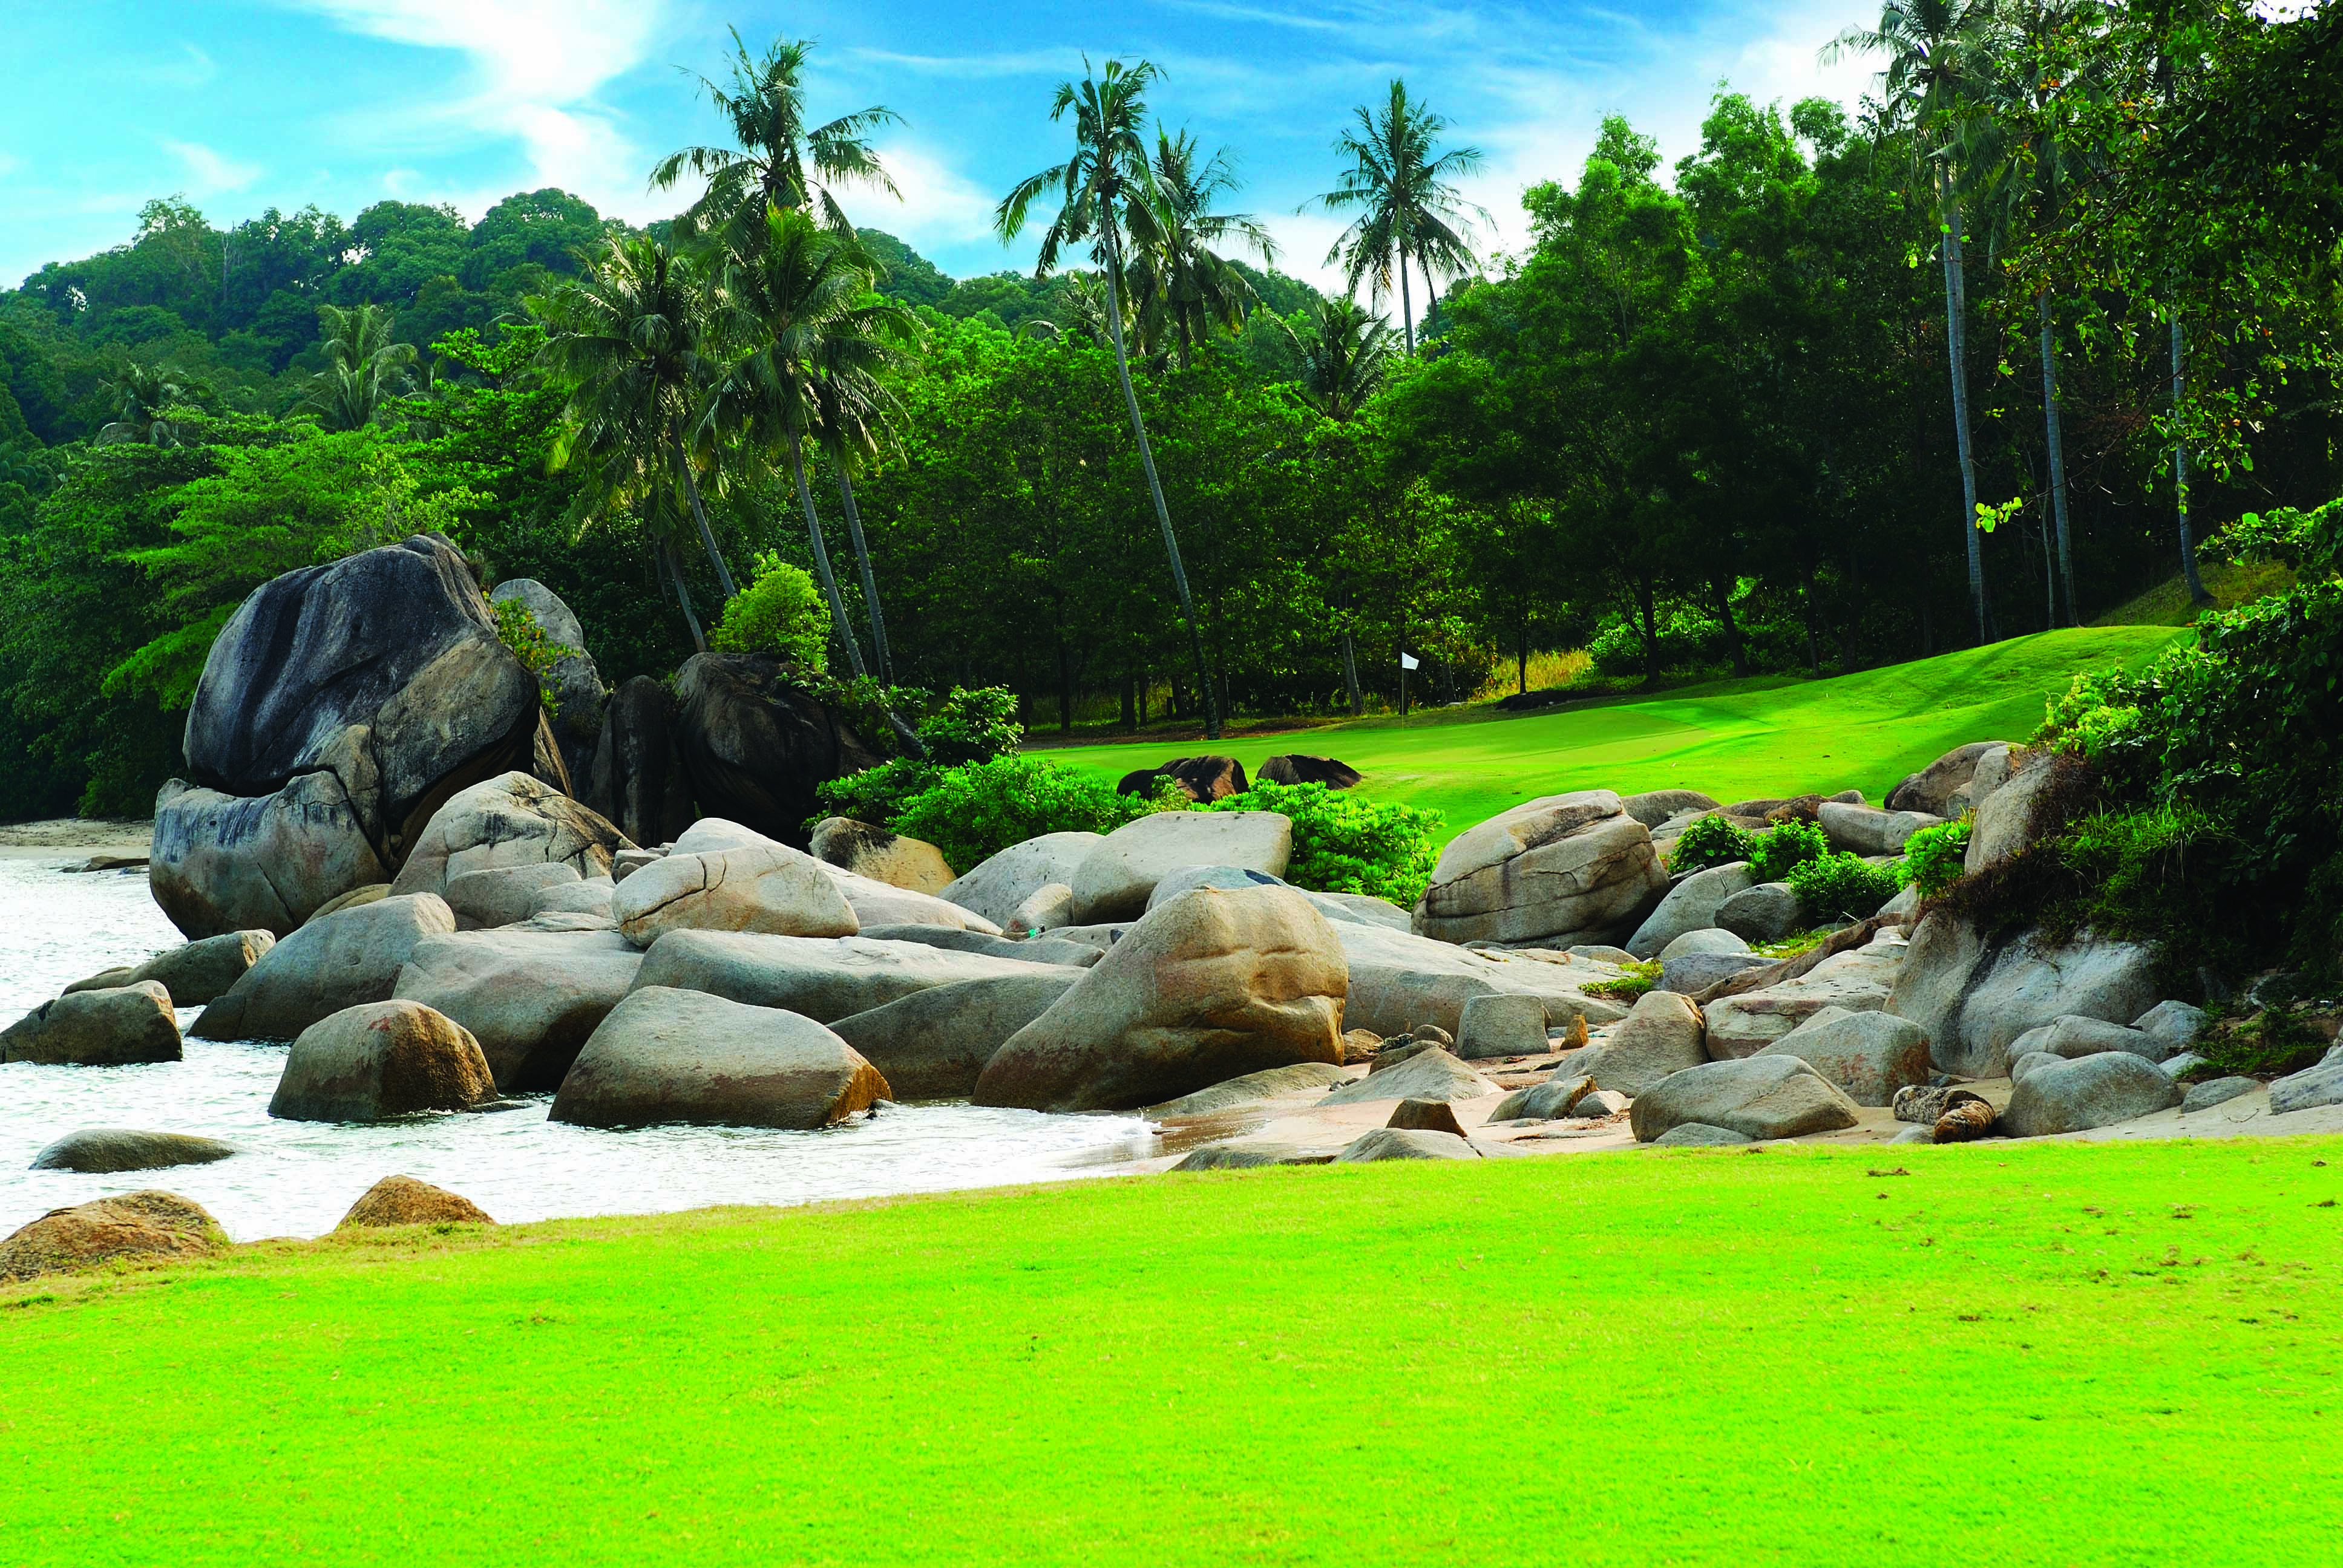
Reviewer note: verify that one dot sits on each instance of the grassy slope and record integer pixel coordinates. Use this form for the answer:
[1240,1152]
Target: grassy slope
[1735,739]
[2166,604]
[2048,1353]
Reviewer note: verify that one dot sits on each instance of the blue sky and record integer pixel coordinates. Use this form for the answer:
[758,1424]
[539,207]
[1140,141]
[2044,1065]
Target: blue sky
[240,104]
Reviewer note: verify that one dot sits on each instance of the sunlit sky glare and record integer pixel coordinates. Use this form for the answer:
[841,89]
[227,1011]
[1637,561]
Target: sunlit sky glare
[242,105]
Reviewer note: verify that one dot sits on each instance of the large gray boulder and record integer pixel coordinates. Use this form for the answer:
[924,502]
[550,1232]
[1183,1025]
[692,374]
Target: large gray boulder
[1691,905]
[195,973]
[2006,818]
[103,1150]
[1499,1026]
[1860,979]
[508,895]
[574,682]
[1690,974]
[934,1044]
[380,1061]
[529,999]
[1761,1097]
[2319,1084]
[511,823]
[767,888]
[1931,788]
[1664,1035]
[678,1055]
[1868,830]
[1560,870]
[1404,1143]
[1211,986]
[1114,879]
[2088,1091]
[637,778]
[1399,981]
[2071,1036]
[1032,951]
[1654,806]
[826,980]
[895,858]
[113,1028]
[1766,912]
[1430,1074]
[2031,982]
[998,886]
[756,747]
[2174,1026]
[337,961]
[878,903]
[337,708]
[1870,1055]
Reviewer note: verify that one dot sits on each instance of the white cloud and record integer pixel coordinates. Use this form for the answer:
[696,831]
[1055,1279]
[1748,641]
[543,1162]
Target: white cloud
[941,206]
[209,173]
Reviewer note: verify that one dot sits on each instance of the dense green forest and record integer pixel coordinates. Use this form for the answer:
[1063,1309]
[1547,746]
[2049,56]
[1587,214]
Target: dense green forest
[1829,391]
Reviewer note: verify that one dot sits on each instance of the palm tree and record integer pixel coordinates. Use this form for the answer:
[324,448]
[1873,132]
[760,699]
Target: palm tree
[1097,187]
[364,368]
[1407,209]
[1181,289]
[141,395]
[780,161]
[630,338]
[1345,355]
[1935,50]
[1081,312]
[850,408]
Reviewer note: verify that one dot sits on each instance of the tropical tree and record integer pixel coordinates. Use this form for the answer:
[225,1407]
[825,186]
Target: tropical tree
[1182,289]
[140,397]
[1081,312]
[365,369]
[1936,52]
[1097,188]
[1398,184]
[779,160]
[851,358]
[1345,353]
[631,341]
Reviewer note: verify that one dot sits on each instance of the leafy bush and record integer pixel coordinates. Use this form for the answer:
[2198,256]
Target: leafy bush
[1710,841]
[1840,884]
[971,725]
[877,795]
[1346,843]
[977,811]
[1773,853]
[2273,1041]
[518,629]
[1934,856]
[779,612]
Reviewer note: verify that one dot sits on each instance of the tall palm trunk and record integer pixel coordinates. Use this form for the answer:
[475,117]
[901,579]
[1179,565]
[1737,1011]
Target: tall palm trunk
[870,579]
[1350,676]
[2196,594]
[1147,462]
[672,569]
[2058,455]
[1956,347]
[699,515]
[821,562]
[1406,306]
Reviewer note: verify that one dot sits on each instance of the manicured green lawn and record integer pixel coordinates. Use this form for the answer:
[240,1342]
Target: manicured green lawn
[1735,740]
[2012,1356]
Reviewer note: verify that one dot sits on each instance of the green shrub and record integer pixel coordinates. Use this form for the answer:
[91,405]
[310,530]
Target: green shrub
[2273,1041]
[977,811]
[877,795]
[1840,884]
[780,612]
[971,725]
[1710,841]
[1773,853]
[1346,843]
[518,629]
[1934,856]
[1634,982]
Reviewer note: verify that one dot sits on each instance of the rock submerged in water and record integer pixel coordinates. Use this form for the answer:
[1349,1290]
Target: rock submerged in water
[529,999]
[113,1028]
[672,1056]
[404,1201]
[102,1150]
[148,1224]
[380,1061]
[194,974]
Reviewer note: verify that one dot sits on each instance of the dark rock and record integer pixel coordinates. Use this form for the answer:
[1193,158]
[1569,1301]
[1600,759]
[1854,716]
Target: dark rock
[575,684]
[755,746]
[102,1151]
[636,776]
[148,1224]
[1425,1116]
[1654,807]
[1296,767]
[1204,778]
[404,1201]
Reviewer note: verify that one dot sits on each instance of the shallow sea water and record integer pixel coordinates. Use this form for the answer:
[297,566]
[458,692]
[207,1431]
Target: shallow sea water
[298,1178]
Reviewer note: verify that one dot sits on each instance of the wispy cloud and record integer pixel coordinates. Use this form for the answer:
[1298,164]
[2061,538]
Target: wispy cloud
[208,172]
[1021,63]
[941,206]
[186,67]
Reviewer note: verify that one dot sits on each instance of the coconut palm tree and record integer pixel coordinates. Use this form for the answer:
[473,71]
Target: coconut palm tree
[1345,353]
[1407,209]
[1082,313]
[1098,190]
[779,160]
[141,395]
[1181,289]
[364,368]
[851,405]
[630,338]
[1935,52]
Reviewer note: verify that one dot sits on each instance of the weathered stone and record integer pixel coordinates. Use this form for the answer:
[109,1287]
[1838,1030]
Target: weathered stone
[1114,879]
[404,1201]
[378,1061]
[1690,906]
[1298,767]
[637,778]
[2319,1084]
[878,903]
[226,862]
[573,680]
[110,1027]
[1495,1025]
[1710,940]
[1940,962]
[1701,1135]
[678,1055]
[2088,1091]
[1361,908]
[1547,1101]
[2071,1036]
[503,895]
[999,887]
[1429,1074]
[148,1224]
[1691,973]
[1761,1097]
[1994,765]
[1249,1156]
[513,824]
[2004,819]
[2028,1061]
[755,746]
[1655,807]
[1858,980]
[1664,1035]
[1562,869]
[1399,981]
[1188,878]
[2216,1091]
[102,1150]
[1211,986]
[894,859]
[336,962]
[1931,788]
[193,974]
[1253,1088]
[1032,951]
[1870,1055]
[934,1044]
[372,892]
[2174,1026]
[1403,1143]
[2181,1066]
[589,897]
[824,979]
[1766,912]
[1598,1104]
[1866,830]
[768,888]
[1045,909]
[2030,983]
[529,999]
[1425,1116]
[1200,779]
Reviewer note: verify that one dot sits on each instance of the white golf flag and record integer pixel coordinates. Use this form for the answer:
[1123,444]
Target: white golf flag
[1406,659]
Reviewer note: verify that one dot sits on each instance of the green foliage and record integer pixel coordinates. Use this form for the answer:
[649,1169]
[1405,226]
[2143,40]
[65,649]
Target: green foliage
[1634,981]
[975,811]
[1710,841]
[971,725]
[878,795]
[1775,851]
[2264,1044]
[518,629]
[1344,842]
[1841,885]
[1934,856]
[780,612]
